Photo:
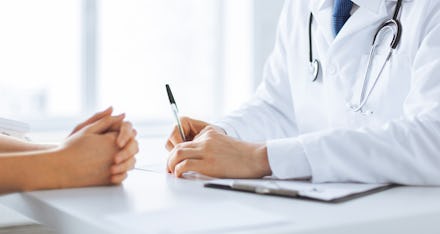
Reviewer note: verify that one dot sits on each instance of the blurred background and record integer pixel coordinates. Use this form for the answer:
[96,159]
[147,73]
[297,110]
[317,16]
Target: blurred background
[61,61]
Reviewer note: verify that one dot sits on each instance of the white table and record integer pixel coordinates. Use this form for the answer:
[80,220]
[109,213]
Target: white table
[398,210]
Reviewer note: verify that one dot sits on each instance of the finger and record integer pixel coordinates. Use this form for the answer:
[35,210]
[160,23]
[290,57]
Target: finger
[99,115]
[135,133]
[130,150]
[94,118]
[190,127]
[116,126]
[210,129]
[117,179]
[203,131]
[169,145]
[125,134]
[181,153]
[174,138]
[186,166]
[123,167]
[103,125]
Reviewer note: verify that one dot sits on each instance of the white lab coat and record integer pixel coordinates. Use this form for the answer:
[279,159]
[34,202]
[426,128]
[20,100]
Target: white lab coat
[308,127]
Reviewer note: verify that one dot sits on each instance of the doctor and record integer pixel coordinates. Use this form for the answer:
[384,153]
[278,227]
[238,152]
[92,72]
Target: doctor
[351,92]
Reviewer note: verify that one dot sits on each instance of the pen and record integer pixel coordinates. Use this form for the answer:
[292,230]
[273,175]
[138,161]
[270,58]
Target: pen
[175,112]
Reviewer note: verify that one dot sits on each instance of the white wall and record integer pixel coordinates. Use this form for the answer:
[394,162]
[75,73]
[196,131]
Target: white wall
[266,14]
[249,30]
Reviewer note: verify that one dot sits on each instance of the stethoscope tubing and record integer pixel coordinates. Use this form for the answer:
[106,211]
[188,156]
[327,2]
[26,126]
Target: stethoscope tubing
[365,95]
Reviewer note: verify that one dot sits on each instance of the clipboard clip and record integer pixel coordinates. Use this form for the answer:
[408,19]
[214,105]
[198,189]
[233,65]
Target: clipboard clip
[264,190]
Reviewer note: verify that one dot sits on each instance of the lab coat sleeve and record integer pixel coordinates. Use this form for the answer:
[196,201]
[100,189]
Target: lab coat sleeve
[269,114]
[403,151]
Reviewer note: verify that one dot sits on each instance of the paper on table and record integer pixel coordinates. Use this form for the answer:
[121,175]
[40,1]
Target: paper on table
[202,218]
[324,192]
[152,155]
[13,128]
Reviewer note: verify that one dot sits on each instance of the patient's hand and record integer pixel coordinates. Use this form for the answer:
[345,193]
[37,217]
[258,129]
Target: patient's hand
[90,156]
[125,130]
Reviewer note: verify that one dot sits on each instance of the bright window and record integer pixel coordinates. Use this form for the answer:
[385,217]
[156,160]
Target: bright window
[145,44]
[63,60]
[40,58]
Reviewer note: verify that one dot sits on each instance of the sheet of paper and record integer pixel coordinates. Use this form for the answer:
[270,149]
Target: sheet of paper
[198,218]
[325,192]
[152,155]
[152,167]
[13,128]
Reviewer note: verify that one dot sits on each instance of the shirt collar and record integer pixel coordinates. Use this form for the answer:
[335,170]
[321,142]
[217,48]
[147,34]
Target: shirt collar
[371,5]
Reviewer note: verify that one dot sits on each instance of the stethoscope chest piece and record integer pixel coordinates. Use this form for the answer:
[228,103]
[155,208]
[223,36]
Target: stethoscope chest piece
[314,69]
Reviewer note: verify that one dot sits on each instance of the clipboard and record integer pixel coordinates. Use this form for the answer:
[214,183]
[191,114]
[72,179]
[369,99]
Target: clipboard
[328,193]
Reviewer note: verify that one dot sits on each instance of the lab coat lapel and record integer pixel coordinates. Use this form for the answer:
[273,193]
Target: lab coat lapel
[322,14]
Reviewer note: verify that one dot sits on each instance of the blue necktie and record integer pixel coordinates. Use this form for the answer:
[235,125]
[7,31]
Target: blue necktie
[341,13]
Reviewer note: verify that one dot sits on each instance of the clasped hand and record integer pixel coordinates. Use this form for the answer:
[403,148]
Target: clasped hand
[99,151]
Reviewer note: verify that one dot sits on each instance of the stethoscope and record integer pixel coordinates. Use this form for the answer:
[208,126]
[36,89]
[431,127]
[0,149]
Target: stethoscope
[392,24]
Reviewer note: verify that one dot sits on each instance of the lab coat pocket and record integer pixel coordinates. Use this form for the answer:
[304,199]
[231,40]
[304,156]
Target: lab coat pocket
[370,84]
[383,88]
[373,74]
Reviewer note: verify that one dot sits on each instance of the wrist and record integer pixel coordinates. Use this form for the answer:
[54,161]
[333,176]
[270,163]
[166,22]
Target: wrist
[58,167]
[260,160]
[41,171]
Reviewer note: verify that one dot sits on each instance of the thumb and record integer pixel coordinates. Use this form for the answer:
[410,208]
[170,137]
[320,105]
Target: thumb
[94,118]
[105,124]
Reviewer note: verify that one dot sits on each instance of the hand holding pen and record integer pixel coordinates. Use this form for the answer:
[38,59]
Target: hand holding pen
[186,129]
[194,145]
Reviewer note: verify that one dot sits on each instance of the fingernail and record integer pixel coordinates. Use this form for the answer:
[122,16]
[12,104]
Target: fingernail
[107,109]
[117,117]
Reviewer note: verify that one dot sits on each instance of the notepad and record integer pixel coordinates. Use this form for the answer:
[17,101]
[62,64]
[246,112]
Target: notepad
[327,192]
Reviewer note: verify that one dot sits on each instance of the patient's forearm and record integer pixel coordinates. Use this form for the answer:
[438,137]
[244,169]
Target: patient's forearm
[11,144]
[28,171]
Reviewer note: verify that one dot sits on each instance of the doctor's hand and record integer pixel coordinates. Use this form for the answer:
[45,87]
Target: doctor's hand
[215,154]
[192,128]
